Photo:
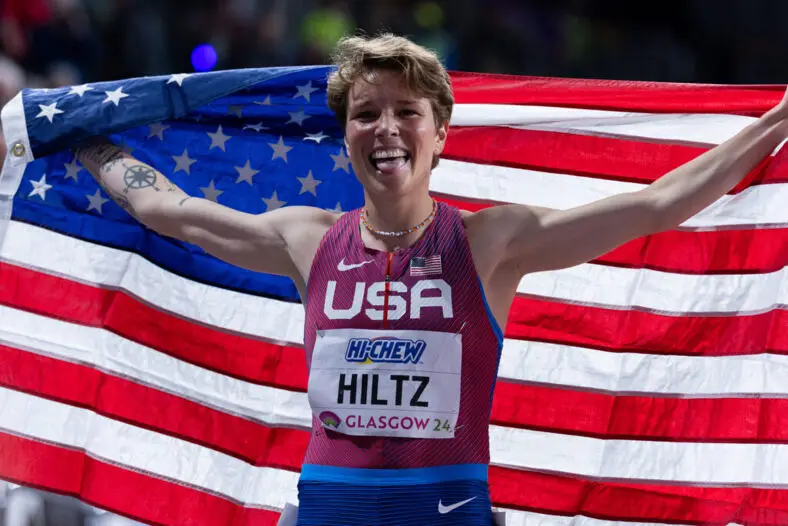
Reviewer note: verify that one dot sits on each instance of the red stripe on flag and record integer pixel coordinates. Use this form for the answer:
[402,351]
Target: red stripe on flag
[646,332]
[234,355]
[560,410]
[564,495]
[126,492]
[150,408]
[749,251]
[616,95]
[586,155]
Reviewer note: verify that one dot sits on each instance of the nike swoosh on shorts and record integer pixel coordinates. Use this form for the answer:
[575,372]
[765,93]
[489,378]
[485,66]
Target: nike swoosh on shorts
[443,510]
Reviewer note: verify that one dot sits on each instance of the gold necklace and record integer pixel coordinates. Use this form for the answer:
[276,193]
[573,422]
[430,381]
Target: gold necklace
[383,233]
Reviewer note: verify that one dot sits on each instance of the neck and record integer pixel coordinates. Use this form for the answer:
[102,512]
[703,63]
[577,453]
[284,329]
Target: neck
[397,214]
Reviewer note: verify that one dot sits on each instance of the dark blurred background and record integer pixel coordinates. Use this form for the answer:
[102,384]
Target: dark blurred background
[74,41]
[49,43]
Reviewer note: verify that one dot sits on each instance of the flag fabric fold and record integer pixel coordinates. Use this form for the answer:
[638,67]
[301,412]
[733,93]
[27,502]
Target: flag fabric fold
[146,377]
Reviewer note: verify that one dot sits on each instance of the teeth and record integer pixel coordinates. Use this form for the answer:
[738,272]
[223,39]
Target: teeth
[384,154]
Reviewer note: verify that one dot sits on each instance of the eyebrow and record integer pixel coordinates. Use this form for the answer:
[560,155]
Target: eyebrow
[364,102]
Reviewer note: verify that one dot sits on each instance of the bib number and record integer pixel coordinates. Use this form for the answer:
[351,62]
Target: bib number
[386,383]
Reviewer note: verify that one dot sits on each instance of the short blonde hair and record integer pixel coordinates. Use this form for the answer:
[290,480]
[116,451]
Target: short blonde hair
[359,56]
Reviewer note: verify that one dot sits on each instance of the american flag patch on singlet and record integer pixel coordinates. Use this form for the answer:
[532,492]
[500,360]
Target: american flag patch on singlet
[430,265]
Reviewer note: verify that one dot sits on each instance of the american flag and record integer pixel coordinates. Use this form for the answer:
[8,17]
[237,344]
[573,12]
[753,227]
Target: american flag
[429,266]
[143,376]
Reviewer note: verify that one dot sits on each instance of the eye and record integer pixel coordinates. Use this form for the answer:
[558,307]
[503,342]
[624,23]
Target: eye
[408,112]
[365,115]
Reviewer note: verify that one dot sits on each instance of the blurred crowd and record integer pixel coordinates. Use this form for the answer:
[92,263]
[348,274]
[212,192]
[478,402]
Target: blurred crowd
[51,43]
[54,42]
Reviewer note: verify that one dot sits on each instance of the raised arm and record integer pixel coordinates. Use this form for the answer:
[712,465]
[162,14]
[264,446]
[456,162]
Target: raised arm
[534,239]
[262,242]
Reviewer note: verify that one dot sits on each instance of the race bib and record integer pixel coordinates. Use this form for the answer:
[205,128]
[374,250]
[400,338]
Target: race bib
[386,383]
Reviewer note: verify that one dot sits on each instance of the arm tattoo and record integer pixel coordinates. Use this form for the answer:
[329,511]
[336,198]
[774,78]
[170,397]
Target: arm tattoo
[104,156]
[171,187]
[122,201]
[110,164]
[100,154]
[138,177]
[119,198]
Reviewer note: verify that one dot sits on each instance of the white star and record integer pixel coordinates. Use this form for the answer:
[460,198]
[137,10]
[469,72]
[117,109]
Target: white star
[317,137]
[49,111]
[341,161]
[96,201]
[246,173]
[273,203]
[236,110]
[298,117]
[183,162]
[337,209]
[210,192]
[305,91]
[72,169]
[79,90]
[256,127]
[218,139]
[157,130]
[266,102]
[115,96]
[309,184]
[280,149]
[178,78]
[40,188]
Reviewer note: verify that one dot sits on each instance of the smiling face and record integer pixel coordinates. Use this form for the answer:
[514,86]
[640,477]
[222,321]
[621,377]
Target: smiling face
[391,134]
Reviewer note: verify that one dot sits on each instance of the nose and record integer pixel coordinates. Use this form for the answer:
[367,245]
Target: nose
[387,125]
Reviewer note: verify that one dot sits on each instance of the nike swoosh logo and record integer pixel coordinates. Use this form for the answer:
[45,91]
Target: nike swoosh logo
[350,266]
[443,510]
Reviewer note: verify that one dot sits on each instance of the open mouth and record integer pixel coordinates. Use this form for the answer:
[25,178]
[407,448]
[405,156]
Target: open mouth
[389,160]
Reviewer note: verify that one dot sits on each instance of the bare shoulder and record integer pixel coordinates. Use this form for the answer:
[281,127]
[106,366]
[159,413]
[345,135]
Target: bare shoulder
[499,216]
[486,236]
[493,231]
[302,214]
[496,224]
[302,229]
[295,223]
[302,224]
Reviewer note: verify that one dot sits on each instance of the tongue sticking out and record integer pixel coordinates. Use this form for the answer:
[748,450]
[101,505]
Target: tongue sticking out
[390,165]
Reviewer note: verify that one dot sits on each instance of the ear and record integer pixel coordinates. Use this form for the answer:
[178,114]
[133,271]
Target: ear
[443,133]
[347,147]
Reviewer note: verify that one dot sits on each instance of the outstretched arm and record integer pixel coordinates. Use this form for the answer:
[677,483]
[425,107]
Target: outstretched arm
[262,242]
[535,239]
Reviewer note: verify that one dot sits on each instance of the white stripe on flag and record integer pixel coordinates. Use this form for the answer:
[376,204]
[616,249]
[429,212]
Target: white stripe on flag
[757,205]
[671,127]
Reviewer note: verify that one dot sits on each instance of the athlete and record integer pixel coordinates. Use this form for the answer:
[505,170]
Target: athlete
[405,298]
